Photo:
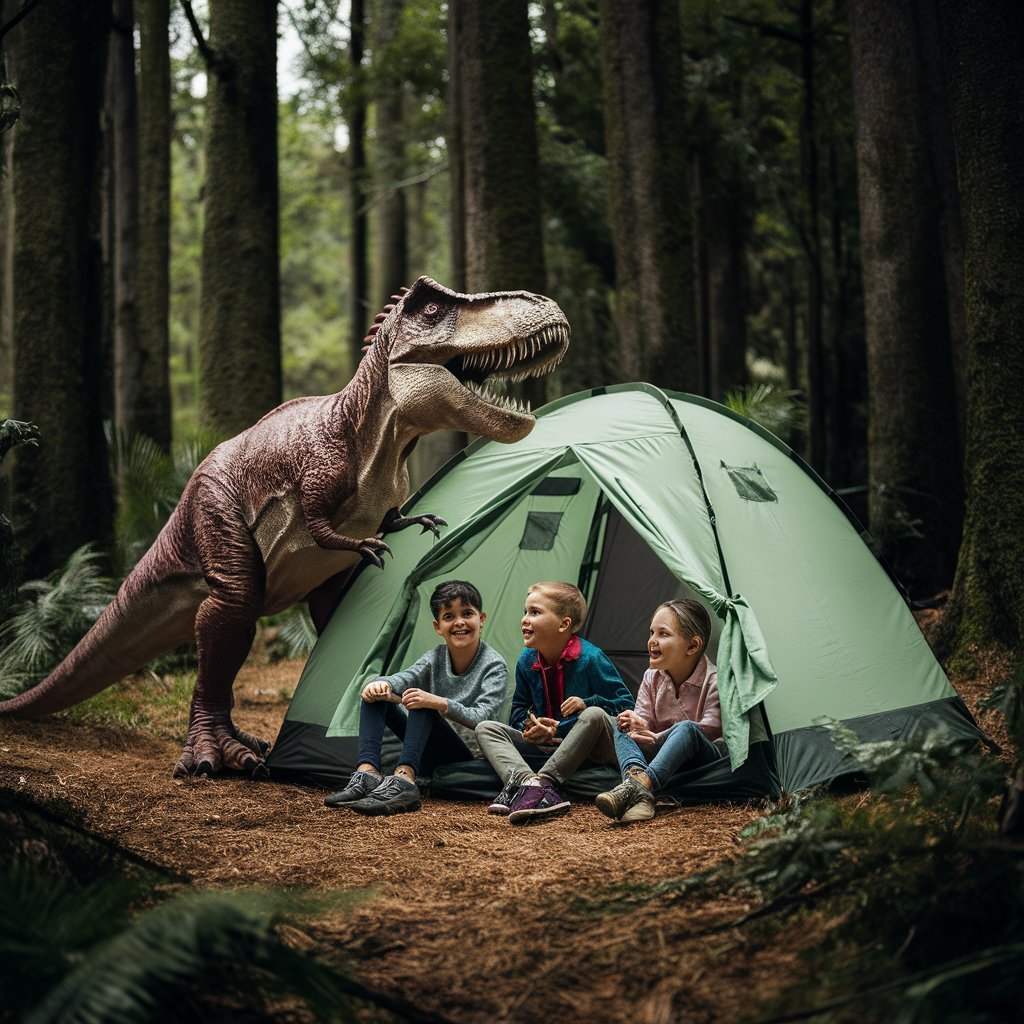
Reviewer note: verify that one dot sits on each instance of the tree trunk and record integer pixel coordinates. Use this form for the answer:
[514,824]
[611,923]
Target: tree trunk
[501,176]
[727,322]
[154,91]
[360,313]
[240,332]
[817,397]
[645,135]
[453,143]
[389,151]
[62,492]
[123,122]
[913,436]
[983,45]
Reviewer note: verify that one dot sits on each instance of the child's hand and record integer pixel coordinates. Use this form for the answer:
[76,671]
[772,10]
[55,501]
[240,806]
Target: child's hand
[539,730]
[629,721]
[378,689]
[644,738]
[572,706]
[414,698]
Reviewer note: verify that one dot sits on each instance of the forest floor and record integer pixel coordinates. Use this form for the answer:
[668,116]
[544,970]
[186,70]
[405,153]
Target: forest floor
[464,916]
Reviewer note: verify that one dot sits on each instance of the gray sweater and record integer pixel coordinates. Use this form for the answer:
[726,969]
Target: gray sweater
[473,697]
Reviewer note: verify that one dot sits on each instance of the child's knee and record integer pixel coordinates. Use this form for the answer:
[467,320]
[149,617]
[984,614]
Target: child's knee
[488,729]
[593,715]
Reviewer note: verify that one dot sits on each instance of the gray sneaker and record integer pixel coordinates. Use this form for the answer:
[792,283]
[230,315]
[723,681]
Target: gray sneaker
[392,796]
[502,803]
[628,801]
[359,785]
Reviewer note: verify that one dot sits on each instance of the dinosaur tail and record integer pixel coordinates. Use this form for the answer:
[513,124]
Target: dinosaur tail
[143,621]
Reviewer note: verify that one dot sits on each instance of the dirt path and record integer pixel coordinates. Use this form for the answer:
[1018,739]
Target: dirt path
[467,916]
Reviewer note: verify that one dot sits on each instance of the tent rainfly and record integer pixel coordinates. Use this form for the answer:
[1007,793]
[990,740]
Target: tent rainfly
[641,495]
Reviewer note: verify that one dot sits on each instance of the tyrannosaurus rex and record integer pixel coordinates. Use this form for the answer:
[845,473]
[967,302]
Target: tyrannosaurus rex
[282,512]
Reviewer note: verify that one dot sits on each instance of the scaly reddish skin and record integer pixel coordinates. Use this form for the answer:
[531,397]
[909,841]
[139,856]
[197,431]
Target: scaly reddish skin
[285,510]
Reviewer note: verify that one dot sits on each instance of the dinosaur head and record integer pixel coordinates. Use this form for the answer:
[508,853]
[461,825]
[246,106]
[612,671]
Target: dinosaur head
[449,356]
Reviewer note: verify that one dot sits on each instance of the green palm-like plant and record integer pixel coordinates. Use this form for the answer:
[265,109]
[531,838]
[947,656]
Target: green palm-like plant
[51,619]
[79,955]
[150,482]
[297,634]
[774,408]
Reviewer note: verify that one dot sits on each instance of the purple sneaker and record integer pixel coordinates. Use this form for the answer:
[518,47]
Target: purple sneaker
[532,803]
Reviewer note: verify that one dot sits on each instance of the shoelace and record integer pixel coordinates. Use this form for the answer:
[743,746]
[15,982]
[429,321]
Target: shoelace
[390,785]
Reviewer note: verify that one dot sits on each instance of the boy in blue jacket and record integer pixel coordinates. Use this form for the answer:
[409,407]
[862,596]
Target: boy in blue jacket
[563,710]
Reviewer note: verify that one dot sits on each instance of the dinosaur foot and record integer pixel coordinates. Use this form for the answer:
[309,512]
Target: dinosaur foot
[219,745]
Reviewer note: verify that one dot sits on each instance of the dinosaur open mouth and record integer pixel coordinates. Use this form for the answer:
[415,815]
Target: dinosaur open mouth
[487,372]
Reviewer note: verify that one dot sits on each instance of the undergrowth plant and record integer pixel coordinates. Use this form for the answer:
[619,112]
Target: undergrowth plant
[924,897]
[50,619]
[84,954]
[149,484]
[774,408]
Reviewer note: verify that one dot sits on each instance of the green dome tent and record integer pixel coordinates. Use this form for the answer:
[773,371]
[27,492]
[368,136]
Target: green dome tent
[641,495]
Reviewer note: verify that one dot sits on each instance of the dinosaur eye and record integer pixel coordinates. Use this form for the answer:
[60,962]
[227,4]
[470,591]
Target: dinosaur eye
[431,309]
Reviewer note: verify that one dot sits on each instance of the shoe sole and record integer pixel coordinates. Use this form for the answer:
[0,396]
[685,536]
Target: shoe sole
[499,809]
[606,806]
[538,813]
[329,802]
[385,809]
[638,812]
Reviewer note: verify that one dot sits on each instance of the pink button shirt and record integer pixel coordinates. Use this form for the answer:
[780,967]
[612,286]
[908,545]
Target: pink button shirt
[658,704]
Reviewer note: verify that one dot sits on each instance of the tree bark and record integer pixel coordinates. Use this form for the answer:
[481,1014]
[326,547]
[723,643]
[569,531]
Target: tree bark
[123,122]
[389,151]
[240,332]
[453,144]
[913,435]
[62,491]
[652,226]
[153,417]
[360,313]
[983,45]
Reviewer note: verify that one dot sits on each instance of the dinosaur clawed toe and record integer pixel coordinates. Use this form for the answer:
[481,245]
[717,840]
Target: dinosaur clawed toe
[213,747]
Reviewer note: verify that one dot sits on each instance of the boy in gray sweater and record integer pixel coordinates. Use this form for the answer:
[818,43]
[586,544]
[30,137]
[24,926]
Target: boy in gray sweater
[462,679]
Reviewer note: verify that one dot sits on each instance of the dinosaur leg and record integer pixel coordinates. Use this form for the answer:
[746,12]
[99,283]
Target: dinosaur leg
[224,629]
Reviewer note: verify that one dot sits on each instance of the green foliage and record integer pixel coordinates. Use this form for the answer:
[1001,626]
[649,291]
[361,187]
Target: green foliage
[1007,698]
[921,887]
[778,411]
[150,482]
[82,954]
[297,634]
[51,619]
[160,706]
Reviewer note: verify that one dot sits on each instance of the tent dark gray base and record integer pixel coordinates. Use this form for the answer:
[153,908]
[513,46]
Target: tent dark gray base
[787,762]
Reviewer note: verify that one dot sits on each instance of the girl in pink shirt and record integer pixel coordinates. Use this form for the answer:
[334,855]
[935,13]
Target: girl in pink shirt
[677,716]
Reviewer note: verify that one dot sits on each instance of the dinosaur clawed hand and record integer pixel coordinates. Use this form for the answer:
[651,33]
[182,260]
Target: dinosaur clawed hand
[395,522]
[216,744]
[373,549]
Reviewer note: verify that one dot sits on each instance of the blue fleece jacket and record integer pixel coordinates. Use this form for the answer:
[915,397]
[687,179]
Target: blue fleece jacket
[592,676]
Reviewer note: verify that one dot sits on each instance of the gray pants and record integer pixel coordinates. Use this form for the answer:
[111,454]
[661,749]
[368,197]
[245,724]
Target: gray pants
[592,738]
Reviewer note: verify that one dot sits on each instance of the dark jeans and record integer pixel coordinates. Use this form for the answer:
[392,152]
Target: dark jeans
[427,739]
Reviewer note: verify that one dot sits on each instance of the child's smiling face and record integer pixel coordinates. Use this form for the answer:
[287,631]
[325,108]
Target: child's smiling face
[669,648]
[544,630]
[458,624]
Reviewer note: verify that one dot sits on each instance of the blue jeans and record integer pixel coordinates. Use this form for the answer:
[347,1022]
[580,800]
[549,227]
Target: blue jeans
[685,746]
[426,737]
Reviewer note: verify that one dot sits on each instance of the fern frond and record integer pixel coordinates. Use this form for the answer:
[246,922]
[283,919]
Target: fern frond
[53,617]
[297,634]
[774,408]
